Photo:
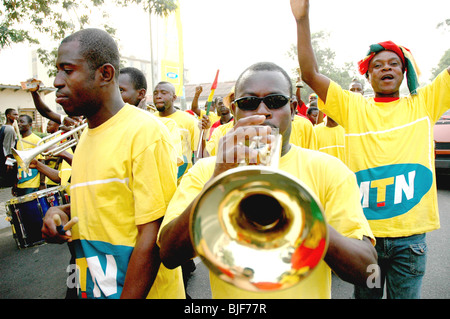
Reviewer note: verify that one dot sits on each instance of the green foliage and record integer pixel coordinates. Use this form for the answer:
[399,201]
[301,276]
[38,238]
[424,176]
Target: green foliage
[444,24]
[443,64]
[325,57]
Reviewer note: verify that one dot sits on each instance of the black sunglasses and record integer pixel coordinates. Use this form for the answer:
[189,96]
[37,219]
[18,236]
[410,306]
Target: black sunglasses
[272,101]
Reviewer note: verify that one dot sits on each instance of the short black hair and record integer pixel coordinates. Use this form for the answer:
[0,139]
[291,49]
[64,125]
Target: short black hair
[29,119]
[266,66]
[137,77]
[9,111]
[355,80]
[168,83]
[97,47]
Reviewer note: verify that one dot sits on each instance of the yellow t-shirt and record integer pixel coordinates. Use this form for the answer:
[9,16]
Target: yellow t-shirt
[64,168]
[330,140]
[302,133]
[32,177]
[188,122]
[390,148]
[213,142]
[123,175]
[336,189]
[175,136]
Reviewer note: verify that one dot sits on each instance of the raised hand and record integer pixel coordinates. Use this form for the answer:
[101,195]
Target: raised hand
[300,8]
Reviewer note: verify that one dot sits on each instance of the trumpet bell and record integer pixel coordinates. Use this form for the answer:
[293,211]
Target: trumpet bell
[259,229]
[22,157]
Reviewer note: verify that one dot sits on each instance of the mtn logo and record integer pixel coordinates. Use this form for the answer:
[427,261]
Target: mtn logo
[392,190]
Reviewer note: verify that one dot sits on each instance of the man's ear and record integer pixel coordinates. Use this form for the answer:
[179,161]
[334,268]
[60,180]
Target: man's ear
[107,73]
[232,106]
[142,93]
[293,105]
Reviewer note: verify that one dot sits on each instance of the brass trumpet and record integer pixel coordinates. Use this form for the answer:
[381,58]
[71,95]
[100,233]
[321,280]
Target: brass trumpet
[24,158]
[75,135]
[259,228]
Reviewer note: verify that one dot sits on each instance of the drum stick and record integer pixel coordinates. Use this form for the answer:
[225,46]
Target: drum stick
[62,230]
[70,224]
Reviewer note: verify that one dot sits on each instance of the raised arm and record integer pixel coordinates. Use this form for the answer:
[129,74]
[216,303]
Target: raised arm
[308,64]
[47,112]
[194,105]
[43,109]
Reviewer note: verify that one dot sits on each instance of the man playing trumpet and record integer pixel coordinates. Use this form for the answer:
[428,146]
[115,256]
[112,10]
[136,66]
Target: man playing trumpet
[262,97]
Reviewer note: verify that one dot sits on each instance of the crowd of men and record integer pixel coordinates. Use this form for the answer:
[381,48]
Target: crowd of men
[136,174]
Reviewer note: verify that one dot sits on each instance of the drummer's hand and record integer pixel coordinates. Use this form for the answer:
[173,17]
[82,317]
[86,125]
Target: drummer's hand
[49,232]
[230,153]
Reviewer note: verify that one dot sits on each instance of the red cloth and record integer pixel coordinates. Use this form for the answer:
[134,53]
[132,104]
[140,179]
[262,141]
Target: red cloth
[363,65]
[301,109]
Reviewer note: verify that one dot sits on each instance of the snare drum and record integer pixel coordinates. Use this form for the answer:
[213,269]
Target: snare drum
[27,213]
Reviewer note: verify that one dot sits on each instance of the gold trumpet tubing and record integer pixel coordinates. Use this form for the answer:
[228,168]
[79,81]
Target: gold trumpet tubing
[24,158]
[64,146]
[69,143]
[49,137]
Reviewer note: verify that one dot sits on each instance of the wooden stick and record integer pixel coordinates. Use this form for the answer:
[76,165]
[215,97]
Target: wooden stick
[57,220]
[62,230]
[70,223]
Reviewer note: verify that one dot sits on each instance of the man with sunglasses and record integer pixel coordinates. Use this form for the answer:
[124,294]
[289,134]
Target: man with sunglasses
[262,97]
[389,146]
[302,132]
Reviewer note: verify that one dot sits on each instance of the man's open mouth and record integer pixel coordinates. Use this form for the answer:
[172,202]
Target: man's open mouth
[387,77]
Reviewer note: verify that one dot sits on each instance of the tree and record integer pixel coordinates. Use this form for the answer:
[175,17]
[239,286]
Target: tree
[26,21]
[444,24]
[343,75]
[443,64]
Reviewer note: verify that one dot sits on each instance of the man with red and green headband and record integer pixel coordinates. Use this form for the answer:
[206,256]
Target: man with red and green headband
[389,146]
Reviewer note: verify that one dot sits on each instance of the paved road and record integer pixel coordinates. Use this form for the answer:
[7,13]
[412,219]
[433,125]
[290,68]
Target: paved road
[39,272]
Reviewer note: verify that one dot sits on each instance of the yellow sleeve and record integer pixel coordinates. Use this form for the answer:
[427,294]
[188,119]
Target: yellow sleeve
[436,96]
[64,173]
[303,134]
[211,144]
[155,186]
[190,186]
[339,103]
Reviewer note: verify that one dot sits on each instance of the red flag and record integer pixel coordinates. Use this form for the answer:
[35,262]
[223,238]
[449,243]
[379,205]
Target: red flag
[214,85]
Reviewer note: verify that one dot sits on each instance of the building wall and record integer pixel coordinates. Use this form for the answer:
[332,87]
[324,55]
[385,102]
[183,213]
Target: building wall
[23,103]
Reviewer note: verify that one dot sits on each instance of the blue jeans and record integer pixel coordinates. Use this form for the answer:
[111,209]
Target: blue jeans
[402,262]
